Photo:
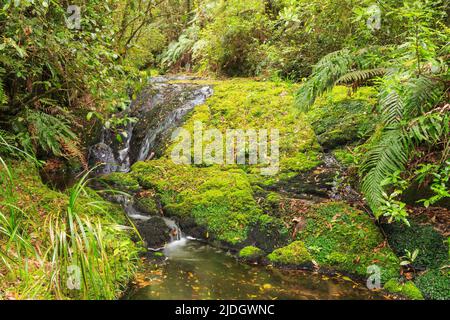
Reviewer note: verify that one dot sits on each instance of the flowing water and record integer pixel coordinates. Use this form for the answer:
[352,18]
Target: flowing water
[194,270]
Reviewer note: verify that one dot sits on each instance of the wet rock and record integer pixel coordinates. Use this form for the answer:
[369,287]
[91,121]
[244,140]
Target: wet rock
[103,155]
[155,232]
[161,108]
[191,228]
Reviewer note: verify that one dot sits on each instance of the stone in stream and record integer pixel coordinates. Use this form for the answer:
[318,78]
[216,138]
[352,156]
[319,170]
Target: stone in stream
[155,232]
[103,156]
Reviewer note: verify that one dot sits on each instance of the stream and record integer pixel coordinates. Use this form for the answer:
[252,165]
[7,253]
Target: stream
[188,268]
[194,270]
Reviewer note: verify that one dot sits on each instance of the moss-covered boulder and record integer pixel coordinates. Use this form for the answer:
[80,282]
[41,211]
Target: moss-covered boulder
[342,238]
[120,181]
[219,199]
[341,117]
[147,202]
[251,254]
[407,289]
[295,254]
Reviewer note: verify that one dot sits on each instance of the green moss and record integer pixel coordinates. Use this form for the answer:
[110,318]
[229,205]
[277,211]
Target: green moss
[344,156]
[147,204]
[346,239]
[435,284]
[121,181]
[293,254]
[251,253]
[407,289]
[338,118]
[219,199]
[246,104]
[433,250]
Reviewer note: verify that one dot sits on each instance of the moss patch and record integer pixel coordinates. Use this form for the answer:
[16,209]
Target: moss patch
[435,284]
[251,253]
[217,198]
[294,254]
[342,238]
[245,104]
[338,118]
[121,181]
[433,250]
[407,289]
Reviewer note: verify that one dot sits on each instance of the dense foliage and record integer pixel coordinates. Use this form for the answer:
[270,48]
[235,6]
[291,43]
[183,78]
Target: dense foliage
[370,80]
[412,79]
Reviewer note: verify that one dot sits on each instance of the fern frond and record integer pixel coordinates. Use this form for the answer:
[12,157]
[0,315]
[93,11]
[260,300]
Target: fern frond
[325,74]
[360,76]
[391,105]
[49,132]
[390,154]
[421,95]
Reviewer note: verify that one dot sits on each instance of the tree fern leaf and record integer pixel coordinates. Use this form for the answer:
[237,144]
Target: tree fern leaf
[361,75]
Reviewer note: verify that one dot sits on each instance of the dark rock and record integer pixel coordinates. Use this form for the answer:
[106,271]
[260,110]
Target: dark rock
[101,154]
[155,232]
[190,228]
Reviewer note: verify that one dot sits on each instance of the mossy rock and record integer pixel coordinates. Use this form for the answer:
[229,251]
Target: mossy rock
[435,284]
[407,289]
[339,118]
[251,254]
[246,104]
[147,205]
[218,199]
[120,181]
[342,238]
[432,246]
[295,254]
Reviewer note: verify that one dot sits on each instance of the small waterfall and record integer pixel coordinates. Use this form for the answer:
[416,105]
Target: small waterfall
[199,97]
[175,232]
[160,108]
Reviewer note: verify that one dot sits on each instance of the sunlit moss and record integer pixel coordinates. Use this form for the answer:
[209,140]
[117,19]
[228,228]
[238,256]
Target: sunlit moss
[251,253]
[407,289]
[341,117]
[295,254]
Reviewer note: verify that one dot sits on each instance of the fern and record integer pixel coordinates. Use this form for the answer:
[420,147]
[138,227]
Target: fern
[180,48]
[339,67]
[360,76]
[49,133]
[390,154]
[325,74]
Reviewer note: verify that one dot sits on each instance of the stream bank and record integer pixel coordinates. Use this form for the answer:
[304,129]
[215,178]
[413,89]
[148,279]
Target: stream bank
[235,208]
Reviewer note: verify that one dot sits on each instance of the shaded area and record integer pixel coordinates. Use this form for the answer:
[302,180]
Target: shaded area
[197,271]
